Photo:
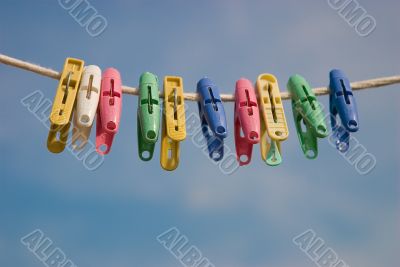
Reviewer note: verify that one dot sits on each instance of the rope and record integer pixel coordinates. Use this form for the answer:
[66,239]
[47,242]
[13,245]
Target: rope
[360,85]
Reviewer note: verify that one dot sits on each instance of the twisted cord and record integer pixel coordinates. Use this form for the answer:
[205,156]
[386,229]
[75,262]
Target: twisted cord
[360,85]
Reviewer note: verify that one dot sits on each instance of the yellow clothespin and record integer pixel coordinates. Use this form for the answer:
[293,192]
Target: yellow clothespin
[173,122]
[274,128]
[63,104]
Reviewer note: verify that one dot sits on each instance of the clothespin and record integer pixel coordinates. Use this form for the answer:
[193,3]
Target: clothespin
[212,116]
[274,127]
[64,101]
[86,106]
[109,111]
[247,121]
[307,112]
[342,102]
[148,115]
[173,123]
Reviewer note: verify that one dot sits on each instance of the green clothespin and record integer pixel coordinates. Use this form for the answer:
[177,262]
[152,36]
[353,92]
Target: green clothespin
[307,112]
[148,115]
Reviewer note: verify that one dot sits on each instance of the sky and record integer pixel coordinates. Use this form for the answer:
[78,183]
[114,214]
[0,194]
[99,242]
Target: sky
[112,216]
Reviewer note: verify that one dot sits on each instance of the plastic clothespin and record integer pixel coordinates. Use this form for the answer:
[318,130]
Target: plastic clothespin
[64,101]
[173,123]
[212,116]
[86,106]
[247,121]
[109,111]
[342,102]
[307,112]
[148,115]
[274,127]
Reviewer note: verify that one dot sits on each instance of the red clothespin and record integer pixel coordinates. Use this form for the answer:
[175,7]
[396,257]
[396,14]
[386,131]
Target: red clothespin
[109,112]
[247,121]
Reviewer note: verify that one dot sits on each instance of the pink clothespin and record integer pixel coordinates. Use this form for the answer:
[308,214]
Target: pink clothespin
[247,120]
[109,112]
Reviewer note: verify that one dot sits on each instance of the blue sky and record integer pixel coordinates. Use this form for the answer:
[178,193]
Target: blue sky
[112,216]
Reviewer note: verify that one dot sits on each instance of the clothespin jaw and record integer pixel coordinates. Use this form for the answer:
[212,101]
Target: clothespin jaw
[212,116]
[86,105]
[247,120]
[308,112]
[342,102]
[274,127]
[148,115]
[63,104]
[173,123]
[109,111]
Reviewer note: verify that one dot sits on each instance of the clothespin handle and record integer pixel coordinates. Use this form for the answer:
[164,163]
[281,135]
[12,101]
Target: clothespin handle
[307,137]
[170,150]
[148,120]
[342,103]
[215,144]
[211,107]
[274,127]
[306,104]
[270,149]
[342,100]
[86,106]
[307,112]
[63,104]
[88,96]
[146,150]
[109,112]
[212,117]
[173,122]
[247,120]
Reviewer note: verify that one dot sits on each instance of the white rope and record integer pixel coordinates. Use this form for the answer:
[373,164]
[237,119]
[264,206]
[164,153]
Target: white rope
[360,85]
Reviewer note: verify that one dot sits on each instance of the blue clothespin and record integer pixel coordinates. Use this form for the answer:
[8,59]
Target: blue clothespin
[212,116]
[342,102]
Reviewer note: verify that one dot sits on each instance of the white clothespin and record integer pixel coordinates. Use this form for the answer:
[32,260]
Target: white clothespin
[86,106]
